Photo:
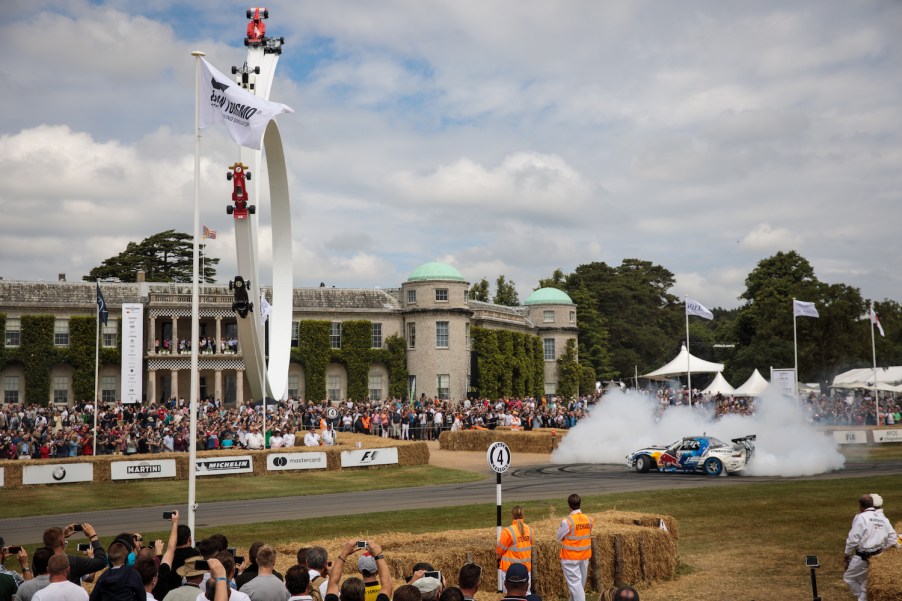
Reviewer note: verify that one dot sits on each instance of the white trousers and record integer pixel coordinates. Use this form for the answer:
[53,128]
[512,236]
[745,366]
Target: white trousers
[575,573]
[405,431]
[856,577]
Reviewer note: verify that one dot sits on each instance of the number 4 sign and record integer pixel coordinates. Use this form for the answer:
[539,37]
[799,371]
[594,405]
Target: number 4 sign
[499,457]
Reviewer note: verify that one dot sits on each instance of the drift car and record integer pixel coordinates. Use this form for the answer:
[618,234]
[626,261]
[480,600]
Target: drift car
[695,454]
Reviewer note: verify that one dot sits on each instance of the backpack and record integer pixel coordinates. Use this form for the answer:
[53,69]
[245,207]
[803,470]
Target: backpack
[314,588]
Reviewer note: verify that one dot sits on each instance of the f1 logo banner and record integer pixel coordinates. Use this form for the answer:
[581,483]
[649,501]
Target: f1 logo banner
[362,457]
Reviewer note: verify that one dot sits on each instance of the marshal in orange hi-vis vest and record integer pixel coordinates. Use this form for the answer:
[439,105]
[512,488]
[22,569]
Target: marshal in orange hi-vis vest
[577,545]
[515,546]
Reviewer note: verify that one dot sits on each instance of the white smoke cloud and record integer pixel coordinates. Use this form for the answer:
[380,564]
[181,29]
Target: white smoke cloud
[787,444]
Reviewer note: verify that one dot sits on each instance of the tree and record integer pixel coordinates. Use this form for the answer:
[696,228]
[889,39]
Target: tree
[557,280]
[164,257]
[506,293]
[480,291]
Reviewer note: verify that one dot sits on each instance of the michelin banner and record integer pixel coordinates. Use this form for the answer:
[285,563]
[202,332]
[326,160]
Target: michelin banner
[214,466]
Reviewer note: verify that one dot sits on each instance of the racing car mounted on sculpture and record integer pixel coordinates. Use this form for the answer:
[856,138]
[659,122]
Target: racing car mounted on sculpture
[695,454]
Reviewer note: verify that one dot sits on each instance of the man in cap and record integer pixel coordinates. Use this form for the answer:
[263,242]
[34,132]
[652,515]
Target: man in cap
[871,533]
[366,565]
[193,576]
[516,583]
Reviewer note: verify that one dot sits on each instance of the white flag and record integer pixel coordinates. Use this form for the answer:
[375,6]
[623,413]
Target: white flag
[803,309]
[876,321]
[696,308]
[244,115]
[265,307]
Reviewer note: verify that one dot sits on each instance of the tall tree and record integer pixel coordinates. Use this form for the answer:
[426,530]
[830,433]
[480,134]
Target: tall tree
[557,280]
[505,292]
[164,257]
[480,291]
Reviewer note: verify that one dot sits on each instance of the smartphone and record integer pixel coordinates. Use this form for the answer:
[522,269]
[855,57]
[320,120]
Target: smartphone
[361,544]
[13,549]
[239,560]
[167,515]
[201,564]
[79,528]
[436,575]
[84,546]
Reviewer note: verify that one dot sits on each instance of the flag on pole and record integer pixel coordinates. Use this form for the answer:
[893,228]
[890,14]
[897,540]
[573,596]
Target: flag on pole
[244,115]
[696,308]
[102,312]
[876,321]
[265,307]
[208,233]
[803,309]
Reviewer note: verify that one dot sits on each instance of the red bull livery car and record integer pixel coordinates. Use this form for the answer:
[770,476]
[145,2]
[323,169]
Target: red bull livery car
[695,454]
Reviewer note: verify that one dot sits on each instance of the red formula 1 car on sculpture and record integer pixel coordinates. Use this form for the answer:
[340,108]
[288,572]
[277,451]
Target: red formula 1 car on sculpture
[238,176]
[256,29]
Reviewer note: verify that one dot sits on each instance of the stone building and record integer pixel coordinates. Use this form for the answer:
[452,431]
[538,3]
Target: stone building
[430,310]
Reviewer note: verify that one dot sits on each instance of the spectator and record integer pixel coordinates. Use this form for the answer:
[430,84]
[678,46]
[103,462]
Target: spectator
[252,569]
[120,582]
[468,580]
[184,549]
[407,592]
[870,535]
[164,569]
[302,557]
[266,586]
[61,587]
[626,593]
[147,569]
[193,576]
[297,582]
[451,594]
[18,579]
[317,564]
[352,589]
[41,578]
[366,565]
[55,539]
[575,534]
[516,583]
[515,545]
[228,564]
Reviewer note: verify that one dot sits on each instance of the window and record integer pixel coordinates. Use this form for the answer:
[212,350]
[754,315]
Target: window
[110,331]
[61,332]
[548,316]
[293,386]
[443,386]
[441,334]
[60,389]
[335,335]
[550,388]
[13,332]
[377,335]
[333,388]
[441,295]
[411,297]
[466,295]
[295,334]
[11,389]
[375,388]
[548,347]
[572,316]
[411,335]
[108,389]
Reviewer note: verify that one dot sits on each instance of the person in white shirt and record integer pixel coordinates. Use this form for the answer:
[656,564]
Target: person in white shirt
[289,440]
[311,439]
[168,441]
[870,535]
[276,441]
[254,439]
[60,589]
[328,436]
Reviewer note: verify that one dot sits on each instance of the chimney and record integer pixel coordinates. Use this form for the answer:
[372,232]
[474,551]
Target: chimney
[62,277]
[140,276]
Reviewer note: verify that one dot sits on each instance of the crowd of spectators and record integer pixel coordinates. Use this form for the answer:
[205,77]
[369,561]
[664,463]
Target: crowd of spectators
[206,346]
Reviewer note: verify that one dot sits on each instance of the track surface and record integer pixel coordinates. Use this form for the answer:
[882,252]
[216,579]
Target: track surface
[525,484]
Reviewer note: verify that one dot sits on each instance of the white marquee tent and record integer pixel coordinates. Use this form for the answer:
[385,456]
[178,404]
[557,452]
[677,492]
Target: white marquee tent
[754,386]
[719,386]
[888,378]
[681,364]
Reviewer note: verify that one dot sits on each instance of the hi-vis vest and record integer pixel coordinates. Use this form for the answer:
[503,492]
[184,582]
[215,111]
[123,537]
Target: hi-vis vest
[577,544]
[515,547]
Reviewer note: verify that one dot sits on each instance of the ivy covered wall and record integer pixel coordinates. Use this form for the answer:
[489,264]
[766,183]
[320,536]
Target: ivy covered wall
[510,363]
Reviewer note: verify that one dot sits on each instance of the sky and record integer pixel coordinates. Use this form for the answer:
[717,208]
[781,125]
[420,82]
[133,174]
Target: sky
[507,137]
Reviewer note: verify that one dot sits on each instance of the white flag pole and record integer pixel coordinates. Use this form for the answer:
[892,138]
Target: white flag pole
[795,346]
[874,356]
[192,444]
[688,355]
[96,403]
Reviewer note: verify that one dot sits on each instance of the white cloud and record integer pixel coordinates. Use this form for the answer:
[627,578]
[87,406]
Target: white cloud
[768,239]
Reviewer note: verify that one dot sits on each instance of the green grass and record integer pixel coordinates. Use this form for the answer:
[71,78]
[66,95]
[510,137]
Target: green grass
[44,500]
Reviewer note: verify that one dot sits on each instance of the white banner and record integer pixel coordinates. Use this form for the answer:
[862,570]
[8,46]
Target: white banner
[133,353]
[892,435]
[785,380]
[850,436]
[214,466]
[1,477]
[59,473]
[138,470]
[296,461]
[361,457]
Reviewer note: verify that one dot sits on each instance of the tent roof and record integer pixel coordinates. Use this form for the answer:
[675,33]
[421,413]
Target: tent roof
[681,364]
[754,386]
[855,377]
[718,386]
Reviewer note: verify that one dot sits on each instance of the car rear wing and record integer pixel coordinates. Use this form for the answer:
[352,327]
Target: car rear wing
[748,442]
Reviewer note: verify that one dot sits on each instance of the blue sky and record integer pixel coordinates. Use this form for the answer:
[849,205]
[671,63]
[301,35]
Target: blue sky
[511,137]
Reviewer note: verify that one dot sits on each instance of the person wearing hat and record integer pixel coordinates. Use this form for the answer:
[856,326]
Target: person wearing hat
[515,544]
[870,535]
[516,583]
[193,576]
[430,588]
[332,591]
[366,565]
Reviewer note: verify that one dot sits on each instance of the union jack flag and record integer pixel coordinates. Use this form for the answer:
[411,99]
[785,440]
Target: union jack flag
[208,233]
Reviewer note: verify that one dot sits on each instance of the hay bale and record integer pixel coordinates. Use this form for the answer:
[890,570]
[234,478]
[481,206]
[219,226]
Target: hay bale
[536,441]
[883,576]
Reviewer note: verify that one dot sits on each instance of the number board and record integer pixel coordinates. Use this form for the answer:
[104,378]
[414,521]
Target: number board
[499,457]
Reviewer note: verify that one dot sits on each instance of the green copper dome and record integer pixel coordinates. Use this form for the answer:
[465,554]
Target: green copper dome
[548,296]
[435,271]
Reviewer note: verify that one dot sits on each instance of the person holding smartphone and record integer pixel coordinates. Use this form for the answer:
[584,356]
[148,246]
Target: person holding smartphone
[23,562]
[56,539]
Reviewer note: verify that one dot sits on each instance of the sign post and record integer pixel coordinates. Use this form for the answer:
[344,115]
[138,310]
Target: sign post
[499,459]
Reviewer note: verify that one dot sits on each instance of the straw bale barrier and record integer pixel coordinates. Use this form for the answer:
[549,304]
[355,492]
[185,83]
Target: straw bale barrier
[649,553]
[883,575]
[409,453]
[535,441]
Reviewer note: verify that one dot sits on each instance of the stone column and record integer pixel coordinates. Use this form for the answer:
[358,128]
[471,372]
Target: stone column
[151,386]
[217,378]
[239,387]
[174,343]
[174,383]
[151,347]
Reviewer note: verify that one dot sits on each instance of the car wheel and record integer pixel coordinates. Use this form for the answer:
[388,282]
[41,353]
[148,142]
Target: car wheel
[230,209]
[713,466]
[249,14]
[265,13]
[643,464]
[252,209]
[247,175]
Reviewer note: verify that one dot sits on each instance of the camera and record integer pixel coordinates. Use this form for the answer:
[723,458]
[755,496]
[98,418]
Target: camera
[201,564]
[167,515]
[436,575]
[811,561]
[361,544]
[239,559]
[78,528]
[84,546]
[12,550]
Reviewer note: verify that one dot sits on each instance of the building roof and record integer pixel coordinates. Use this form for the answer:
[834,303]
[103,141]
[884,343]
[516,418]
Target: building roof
[548,296]
[435,271]
[344,298]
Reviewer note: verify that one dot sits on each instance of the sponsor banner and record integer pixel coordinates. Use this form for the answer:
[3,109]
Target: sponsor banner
[296,461]
[785,381]
[213,466]
[361,457]
[2,481]
[137,470]
[60,473]
[850,436]
[132,352]
[891,435]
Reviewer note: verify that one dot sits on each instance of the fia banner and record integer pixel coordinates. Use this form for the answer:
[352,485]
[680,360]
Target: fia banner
[296,461]
[215,466]
[140,470]
[850,436]
[363,457]
[132,352]
[58,473]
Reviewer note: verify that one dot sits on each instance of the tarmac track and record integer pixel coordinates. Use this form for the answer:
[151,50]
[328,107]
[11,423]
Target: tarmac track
[524,484]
